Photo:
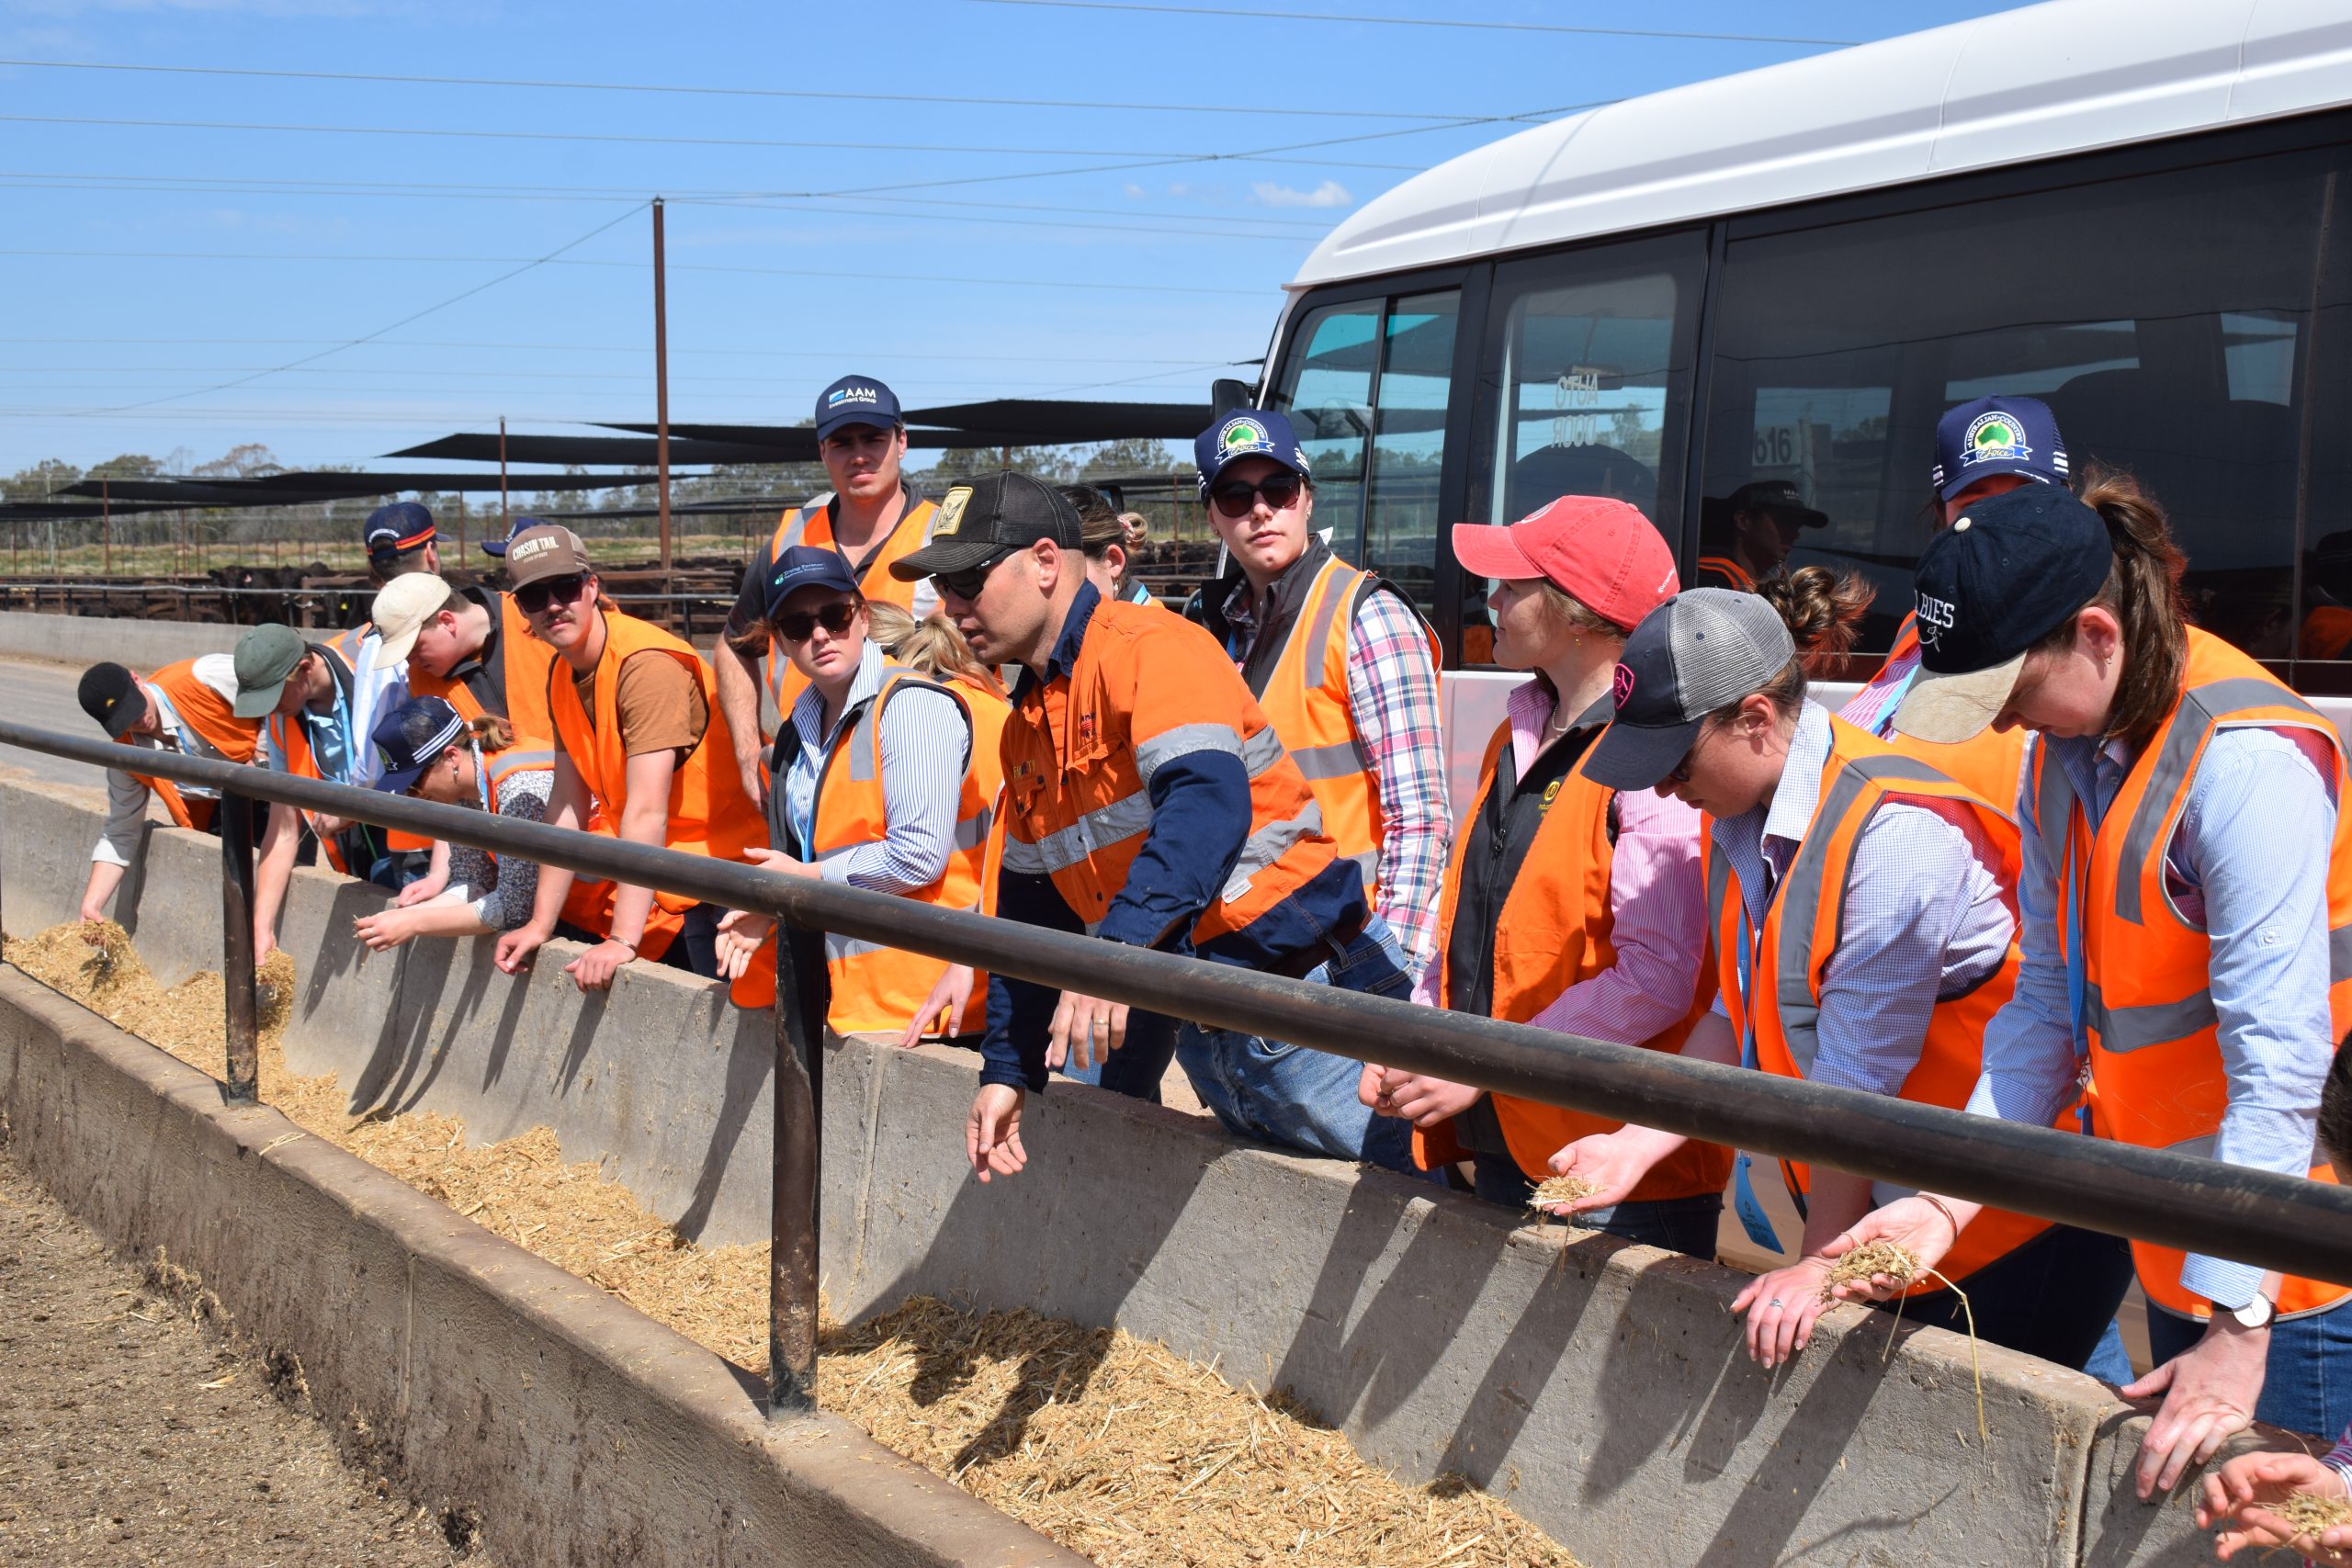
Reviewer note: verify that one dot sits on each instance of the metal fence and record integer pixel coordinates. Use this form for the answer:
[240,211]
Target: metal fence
[2278,1223]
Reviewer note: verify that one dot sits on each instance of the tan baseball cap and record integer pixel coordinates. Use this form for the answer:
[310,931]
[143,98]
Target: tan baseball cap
[402,606]
[538,553]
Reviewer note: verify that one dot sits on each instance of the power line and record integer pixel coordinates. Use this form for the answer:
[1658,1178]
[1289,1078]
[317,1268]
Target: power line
[550,260]
[1417,22]
[1225,110]
[611,137]
[847,354]
[380,331]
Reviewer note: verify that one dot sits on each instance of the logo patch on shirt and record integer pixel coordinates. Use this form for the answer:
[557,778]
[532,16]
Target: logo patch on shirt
[1550,794]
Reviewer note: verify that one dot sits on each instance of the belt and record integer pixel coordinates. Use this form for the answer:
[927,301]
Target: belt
[1332,945]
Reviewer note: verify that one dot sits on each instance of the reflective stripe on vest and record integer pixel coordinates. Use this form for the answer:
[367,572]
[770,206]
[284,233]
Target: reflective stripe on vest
[2151,1032]
[1798,938]
[1077,807]
[1553,932]
[1306,698]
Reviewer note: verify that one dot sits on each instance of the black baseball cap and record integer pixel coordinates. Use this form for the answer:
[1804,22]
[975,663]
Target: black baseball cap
[1702,649]
[856,399]
[409,738]
[2003,576]
[110,694]
[1778,495]
[805,566]
[979,522]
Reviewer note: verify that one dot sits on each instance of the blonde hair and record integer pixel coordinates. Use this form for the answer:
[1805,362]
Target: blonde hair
[1576,615]
[932,646]
[491,732]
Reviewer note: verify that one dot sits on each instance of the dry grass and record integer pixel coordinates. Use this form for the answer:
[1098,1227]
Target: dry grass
[1860,1264]
[1553,1191]
[2308,1514]
[1112,1446]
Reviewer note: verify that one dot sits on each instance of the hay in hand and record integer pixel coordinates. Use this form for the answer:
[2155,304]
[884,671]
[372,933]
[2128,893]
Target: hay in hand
[2307,1515]
[1862,1263]
[1560,1190]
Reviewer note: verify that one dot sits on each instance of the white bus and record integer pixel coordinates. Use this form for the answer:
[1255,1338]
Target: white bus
[2138,211]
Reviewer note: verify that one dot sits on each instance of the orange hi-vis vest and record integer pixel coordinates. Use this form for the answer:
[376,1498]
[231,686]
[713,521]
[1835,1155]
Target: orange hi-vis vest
[709,813]
[524,675]
[1736,575]
[1306,698]
[1552,933]
[876,989]
[1147,686]
[2156,1073]
[292,737]
[814,525]
[1990,765]
[1791,952]
[201,708]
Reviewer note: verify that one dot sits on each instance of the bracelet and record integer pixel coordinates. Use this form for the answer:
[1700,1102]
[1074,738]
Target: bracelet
[630,945]
[1943,1209]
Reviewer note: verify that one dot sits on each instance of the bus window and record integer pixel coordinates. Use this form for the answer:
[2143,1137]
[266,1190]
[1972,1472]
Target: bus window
[2165,318]
[1368,384]
[1590,353]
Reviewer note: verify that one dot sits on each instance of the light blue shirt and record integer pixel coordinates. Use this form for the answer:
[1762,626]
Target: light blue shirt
[2248,863]
[926,747]
[374,693]
[333,745]
[1923,917]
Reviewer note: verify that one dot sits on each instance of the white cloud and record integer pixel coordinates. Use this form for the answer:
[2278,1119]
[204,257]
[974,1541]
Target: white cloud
[1135,191]
[1330,193]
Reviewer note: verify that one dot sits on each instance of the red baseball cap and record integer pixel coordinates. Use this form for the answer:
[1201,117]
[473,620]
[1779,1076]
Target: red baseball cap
[1605,553]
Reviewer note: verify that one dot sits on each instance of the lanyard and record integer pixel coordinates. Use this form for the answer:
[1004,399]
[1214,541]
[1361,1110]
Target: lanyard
[1744,1202]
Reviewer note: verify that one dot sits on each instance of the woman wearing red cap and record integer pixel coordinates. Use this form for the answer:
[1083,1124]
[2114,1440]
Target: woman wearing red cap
[1568,905]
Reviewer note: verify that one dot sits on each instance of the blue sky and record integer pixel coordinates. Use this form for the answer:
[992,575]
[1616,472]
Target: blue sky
[176,258]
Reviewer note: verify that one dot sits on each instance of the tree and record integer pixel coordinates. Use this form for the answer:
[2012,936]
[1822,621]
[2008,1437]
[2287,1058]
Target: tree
[246,460]
[1134,456]
[40,482]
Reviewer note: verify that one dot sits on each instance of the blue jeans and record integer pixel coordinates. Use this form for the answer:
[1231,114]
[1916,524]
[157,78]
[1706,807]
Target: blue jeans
[1135,1068]
[2307,1386]
[1686,1225]
[1306,1100]
[2054,1297]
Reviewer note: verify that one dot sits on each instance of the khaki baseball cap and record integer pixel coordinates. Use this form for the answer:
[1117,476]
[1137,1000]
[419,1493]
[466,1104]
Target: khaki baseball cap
[536,554]
[402,606]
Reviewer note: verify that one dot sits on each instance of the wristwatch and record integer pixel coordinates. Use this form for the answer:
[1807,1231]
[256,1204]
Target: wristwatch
[2256,1313]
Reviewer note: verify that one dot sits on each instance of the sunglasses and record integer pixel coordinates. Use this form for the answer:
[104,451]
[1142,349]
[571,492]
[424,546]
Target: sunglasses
[532,598]
[1237,498]
[966,584]
[799,625]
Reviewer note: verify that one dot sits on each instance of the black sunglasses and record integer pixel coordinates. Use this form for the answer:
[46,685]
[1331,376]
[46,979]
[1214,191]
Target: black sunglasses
[966,584]
[532,598]
[1236,498]
[800,624]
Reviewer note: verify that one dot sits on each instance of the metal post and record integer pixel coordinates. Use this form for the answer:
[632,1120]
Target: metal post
[660,395]
[505,523]
[237,946]
[106,526]
[792,1255]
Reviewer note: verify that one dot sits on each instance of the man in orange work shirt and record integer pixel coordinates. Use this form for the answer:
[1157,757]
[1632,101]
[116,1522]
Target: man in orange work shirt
[1148,802]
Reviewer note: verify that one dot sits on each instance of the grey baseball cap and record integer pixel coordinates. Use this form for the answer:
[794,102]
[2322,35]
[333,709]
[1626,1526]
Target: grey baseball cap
[1702,649]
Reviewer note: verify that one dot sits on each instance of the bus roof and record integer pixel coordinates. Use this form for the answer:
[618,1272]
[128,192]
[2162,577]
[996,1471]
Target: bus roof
[2071,76]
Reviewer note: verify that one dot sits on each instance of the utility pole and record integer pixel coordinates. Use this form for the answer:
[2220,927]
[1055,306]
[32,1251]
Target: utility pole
[660,395]
[106,526]
[505,523]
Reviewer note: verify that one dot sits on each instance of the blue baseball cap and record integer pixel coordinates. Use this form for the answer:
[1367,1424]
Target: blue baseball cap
[856,399]
[806,566]
[410,736]
[498,546]
[397,528]
[1248,432]
[1999,434]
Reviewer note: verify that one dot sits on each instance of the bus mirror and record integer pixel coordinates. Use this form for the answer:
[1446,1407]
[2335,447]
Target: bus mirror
[1226,394]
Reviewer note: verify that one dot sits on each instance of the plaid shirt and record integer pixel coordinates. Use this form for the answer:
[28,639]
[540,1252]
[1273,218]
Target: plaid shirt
[1392,694]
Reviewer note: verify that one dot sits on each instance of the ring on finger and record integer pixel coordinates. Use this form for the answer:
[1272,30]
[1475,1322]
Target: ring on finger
[1775,1302]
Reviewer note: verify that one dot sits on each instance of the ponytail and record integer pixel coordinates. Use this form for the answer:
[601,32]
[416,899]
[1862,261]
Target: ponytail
[1822,611]
[2142,592]
[491,732]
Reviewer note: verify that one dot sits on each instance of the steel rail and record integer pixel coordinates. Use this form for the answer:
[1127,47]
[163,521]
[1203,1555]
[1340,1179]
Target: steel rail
[2280,1222]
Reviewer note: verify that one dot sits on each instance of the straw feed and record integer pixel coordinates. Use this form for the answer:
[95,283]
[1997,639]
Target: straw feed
[1121,1450]
[1112,1446]
[2308,1514]
[1560,1190]
[1859,1265]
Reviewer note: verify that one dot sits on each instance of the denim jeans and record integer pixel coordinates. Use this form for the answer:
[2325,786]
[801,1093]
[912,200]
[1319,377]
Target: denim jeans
[2307,1386]
[1135,1068]
[1301,1098]
[1686,1225]
[2054,1297]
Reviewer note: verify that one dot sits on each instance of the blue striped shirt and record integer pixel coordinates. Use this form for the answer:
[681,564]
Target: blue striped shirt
[926,747]
[1924,918]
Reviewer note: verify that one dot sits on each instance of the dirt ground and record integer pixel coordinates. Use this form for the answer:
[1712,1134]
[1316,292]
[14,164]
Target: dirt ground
[130,1432]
